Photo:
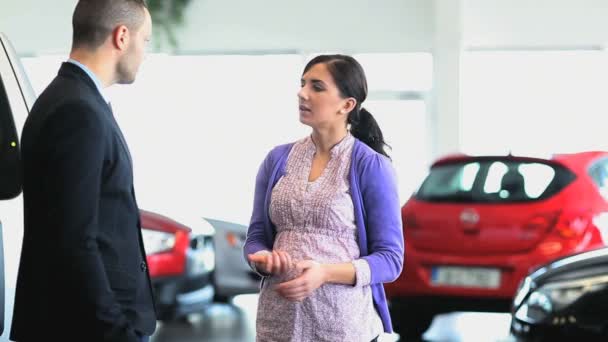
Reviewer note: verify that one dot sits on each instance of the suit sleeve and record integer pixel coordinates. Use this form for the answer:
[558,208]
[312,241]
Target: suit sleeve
[384,228]
[76,138]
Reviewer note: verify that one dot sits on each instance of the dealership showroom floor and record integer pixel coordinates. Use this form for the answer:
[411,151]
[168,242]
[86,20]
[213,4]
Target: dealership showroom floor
[236,323]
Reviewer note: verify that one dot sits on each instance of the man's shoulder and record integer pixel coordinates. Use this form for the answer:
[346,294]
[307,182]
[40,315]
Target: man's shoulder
[64,92]
[61,107]
[67,87]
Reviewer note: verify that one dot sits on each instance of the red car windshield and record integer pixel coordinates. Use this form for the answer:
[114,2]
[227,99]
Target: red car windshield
[493,180]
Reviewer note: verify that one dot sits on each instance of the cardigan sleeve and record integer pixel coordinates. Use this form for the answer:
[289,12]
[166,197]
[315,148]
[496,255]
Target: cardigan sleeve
[256,236]
[378,182]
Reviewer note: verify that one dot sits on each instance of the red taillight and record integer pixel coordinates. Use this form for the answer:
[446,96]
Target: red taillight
[542,222]
[565,225]
[551,247]
[574,226]
[567,233]
[232,239]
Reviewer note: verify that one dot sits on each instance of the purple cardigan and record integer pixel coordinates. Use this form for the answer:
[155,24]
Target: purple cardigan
[377,214]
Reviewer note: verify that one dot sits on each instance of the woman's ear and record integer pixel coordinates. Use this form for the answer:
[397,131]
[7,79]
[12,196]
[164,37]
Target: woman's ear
[349,104]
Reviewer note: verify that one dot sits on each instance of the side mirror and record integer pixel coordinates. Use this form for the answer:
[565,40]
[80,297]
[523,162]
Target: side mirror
[10,173]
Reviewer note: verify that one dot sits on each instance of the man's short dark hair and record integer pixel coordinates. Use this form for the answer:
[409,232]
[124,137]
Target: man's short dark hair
[94,20]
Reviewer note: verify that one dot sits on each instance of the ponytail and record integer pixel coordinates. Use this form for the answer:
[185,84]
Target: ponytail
[364,127]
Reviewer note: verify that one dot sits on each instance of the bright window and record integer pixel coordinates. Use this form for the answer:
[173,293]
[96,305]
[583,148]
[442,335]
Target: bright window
[534,102]
[199,126]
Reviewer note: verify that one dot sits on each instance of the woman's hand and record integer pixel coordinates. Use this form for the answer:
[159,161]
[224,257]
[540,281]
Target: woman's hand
[312,277]
[276,262]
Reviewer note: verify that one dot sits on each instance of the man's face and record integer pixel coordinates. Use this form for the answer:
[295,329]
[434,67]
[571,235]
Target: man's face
[129,63]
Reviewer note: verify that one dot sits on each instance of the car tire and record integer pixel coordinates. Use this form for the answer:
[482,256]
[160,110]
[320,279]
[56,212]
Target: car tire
[221,299]
[218,298]
[409,321]
[166,315]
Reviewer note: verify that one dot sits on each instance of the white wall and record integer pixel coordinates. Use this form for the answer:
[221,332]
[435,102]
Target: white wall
[363,25]
[535,23]
[353,26]
[44,27]
[315,25]
[38,27]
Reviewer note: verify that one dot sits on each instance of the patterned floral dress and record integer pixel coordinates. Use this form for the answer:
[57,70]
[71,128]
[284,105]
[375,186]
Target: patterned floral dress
[315,220]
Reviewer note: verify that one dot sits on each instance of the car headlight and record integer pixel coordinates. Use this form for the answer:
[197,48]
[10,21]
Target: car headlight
[157,242]
[554,297]
[201,255]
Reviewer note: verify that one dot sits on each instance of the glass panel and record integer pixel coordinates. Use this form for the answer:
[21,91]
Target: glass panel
[534,102]
[469,172]
[403,124]
[397,71]
[499,181]
[192,121]
[538,177]
[495,174]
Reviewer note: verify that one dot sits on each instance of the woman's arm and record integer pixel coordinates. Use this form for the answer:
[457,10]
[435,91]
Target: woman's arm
[383,219]
[256,236]
[315,274]
[343,273]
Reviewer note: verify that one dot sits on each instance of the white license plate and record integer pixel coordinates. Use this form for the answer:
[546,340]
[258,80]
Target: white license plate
[488,278]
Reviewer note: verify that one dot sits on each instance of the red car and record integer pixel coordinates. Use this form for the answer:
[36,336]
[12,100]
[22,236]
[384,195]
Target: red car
[477,225]
[181,261]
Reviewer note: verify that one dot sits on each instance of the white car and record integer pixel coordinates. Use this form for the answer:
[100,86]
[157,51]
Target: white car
[16,99]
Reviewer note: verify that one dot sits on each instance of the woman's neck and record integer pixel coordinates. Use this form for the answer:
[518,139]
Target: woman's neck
[325,140]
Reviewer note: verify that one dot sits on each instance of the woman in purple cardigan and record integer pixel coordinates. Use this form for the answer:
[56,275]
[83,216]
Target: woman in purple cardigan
[326,225]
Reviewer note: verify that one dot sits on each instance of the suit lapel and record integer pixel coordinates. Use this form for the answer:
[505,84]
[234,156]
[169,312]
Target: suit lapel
[120,136]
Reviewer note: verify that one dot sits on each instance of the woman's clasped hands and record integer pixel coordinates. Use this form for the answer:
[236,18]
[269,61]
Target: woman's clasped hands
[311,273]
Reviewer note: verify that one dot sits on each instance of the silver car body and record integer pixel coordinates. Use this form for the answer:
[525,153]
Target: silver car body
[232,276]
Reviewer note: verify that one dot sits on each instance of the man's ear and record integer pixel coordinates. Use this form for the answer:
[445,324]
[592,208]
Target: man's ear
[120,37]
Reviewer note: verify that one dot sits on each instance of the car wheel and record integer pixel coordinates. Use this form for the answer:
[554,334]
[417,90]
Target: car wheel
[218,298]
[166,316]
[410,322]
[221,299]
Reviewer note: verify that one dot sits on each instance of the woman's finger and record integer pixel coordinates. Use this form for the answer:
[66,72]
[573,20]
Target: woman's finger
[285,261]
[268,264]
[276,263]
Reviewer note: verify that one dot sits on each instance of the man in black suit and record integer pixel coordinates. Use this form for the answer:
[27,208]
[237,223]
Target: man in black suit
[83,275]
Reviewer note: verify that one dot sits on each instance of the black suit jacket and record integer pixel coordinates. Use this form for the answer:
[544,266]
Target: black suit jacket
[82,274]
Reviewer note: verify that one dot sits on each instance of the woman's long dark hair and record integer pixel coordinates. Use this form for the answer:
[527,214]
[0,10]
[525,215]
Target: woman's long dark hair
[350,80]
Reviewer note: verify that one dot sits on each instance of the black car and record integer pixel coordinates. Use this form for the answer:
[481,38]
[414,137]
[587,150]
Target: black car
[565,300]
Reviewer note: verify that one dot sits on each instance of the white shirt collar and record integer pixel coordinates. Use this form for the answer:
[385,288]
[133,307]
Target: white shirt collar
[92,76]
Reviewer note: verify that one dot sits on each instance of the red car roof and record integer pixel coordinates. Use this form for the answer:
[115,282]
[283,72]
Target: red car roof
[577,162]
[154,221]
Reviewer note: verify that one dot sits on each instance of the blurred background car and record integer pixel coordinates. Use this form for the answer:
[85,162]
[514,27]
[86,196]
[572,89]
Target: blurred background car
[565,300]
[478,225]
[234,276]
[181,260]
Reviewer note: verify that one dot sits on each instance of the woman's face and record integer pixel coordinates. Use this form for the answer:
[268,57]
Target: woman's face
[321,105]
